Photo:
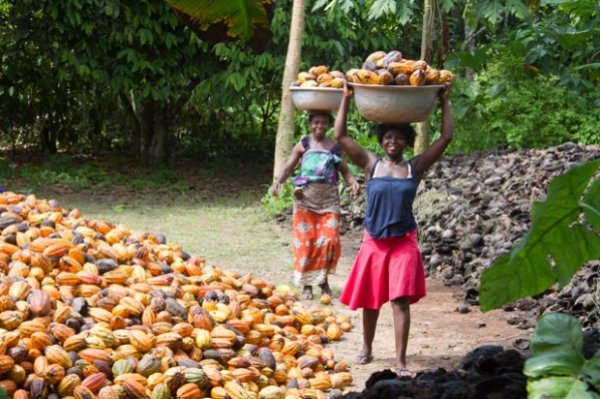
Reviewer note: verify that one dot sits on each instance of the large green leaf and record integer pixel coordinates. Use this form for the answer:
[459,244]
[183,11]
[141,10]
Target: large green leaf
[591,206]
[555,332]
[216,21]
[555,246]
[559,388]
[557,368]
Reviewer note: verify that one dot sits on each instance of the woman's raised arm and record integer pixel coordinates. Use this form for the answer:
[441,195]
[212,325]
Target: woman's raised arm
[356,153]
[436,149]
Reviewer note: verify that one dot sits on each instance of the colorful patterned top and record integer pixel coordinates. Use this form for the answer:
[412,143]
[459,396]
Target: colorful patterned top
[318,166]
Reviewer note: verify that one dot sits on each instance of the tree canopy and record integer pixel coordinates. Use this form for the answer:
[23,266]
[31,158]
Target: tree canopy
[130,76]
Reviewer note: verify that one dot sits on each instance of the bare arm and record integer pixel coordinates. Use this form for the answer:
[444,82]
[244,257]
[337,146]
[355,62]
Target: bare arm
[361,157]
[436,149]
[349,178]
[288,168]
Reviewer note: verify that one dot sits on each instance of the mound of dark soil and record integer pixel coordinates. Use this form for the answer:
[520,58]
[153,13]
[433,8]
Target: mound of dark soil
[487,372]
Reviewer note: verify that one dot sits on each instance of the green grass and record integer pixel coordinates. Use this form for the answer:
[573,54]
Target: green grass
[229,232]
[213,213]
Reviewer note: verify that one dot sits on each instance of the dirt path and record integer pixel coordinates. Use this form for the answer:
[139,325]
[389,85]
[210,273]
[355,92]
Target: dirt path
[238,238]
[440,336]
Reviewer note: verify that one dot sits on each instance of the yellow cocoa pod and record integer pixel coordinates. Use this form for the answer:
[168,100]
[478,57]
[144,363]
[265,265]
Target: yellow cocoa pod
[235,390]
[405,67]
[376,56]
[304,76]
[309,83]
[350,75]
[341,380]
[334,332]
[432,76]
[57,354]
[445,76]
[367,77]
[317,71]
[337,83]
[420,65]
[323,78]
[161,391]
[271,392]
[417,78]
[219,393]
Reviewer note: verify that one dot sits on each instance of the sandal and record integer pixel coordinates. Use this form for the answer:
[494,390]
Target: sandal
[307,294]
[402,372]
[363,359]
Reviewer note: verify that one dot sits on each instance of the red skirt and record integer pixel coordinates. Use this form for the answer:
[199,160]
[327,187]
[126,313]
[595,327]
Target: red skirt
[385,269]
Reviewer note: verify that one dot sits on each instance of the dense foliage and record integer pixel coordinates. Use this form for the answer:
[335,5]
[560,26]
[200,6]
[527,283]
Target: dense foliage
[508,104]
[105,75]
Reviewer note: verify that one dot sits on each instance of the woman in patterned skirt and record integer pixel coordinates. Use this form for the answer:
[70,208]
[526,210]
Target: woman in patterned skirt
[316,204]
[388,266]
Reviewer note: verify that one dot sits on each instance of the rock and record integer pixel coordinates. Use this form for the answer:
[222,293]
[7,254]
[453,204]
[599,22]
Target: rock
[463,309]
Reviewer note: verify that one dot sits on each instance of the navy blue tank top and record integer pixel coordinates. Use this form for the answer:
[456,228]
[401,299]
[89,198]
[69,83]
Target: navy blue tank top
[389,204]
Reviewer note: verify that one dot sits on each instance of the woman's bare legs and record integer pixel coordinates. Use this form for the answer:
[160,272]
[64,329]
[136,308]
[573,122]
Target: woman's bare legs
[307,292]
[325,288]
[370,317]
[401,313]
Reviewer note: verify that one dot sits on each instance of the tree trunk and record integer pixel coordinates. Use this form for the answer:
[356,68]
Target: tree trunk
[469,44]
[146,130]
[158,144]
[422,139]
[284,141]
[47,139]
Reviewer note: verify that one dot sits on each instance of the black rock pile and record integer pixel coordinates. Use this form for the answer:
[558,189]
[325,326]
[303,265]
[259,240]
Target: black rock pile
[487,372]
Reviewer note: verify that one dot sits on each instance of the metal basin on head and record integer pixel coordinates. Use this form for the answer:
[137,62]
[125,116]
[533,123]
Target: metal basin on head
[317,98]
[395,104]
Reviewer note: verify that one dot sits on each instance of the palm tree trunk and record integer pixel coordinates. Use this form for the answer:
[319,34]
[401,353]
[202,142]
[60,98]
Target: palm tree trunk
[284,141]
[422,139]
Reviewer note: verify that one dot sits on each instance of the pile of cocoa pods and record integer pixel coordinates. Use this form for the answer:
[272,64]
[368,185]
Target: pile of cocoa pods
[89,309]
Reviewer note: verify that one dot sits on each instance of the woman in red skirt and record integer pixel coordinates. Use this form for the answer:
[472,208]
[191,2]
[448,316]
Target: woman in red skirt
[389,266]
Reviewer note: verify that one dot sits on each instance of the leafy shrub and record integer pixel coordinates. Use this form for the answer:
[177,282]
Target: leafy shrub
[509,104]
[274,205]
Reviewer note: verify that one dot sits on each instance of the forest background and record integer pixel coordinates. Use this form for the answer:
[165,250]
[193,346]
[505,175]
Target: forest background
[91,90]
[81,79]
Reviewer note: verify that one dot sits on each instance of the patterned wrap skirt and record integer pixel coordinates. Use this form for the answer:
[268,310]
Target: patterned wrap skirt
[385,269]
[316,230]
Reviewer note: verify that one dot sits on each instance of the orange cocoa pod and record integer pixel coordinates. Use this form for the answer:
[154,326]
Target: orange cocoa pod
[134,389]
[189,391]
[95,382]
